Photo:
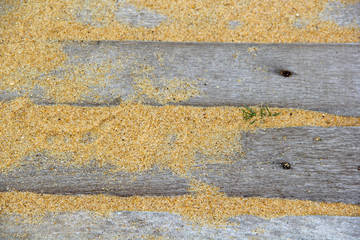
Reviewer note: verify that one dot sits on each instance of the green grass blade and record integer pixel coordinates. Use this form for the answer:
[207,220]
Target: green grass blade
[267,108]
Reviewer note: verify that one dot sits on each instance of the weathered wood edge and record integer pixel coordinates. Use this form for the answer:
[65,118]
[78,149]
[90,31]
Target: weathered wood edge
[322,166]
[130,225]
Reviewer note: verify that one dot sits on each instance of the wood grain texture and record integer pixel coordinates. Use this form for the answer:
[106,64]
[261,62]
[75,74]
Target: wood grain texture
[41,173]
[325,77]
[323,165]
[342,14]
[320,170]
[128,14]
[143,225]
[124,13]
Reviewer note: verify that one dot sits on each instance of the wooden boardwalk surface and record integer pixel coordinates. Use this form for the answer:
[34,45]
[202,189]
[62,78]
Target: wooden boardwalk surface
[307,163]
[276,75]
[143,225]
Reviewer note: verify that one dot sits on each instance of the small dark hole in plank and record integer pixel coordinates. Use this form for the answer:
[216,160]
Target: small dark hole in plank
[285,73]
[286,165]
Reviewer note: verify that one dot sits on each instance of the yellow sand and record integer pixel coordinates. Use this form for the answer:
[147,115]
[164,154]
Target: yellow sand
[197,20]
[135,137]
[208,207]
[30,45]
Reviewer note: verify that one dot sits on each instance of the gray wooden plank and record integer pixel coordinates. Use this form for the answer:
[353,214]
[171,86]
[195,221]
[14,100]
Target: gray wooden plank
[125,13]
[342,14]
[325,77]
[131,15]
[320,170]
[135,225]
[128,14]
[41,173]
[324,165]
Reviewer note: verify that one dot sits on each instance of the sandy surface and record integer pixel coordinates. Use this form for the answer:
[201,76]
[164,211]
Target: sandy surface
[31,45]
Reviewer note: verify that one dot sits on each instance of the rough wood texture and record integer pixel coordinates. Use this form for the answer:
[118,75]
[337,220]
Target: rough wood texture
[125,13]
[323,165]
[325,77]
[143,225]
[342,14]
[321,170]
[43,174]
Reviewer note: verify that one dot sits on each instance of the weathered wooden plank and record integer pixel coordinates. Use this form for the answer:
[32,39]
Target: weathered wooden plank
[323,165]
[126,13]
[342,14]
[310,163]
[324,77]
[134,225]
[41,173]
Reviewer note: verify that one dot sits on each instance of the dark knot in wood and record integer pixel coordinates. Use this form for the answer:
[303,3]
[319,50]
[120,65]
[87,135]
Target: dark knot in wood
[285,73]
